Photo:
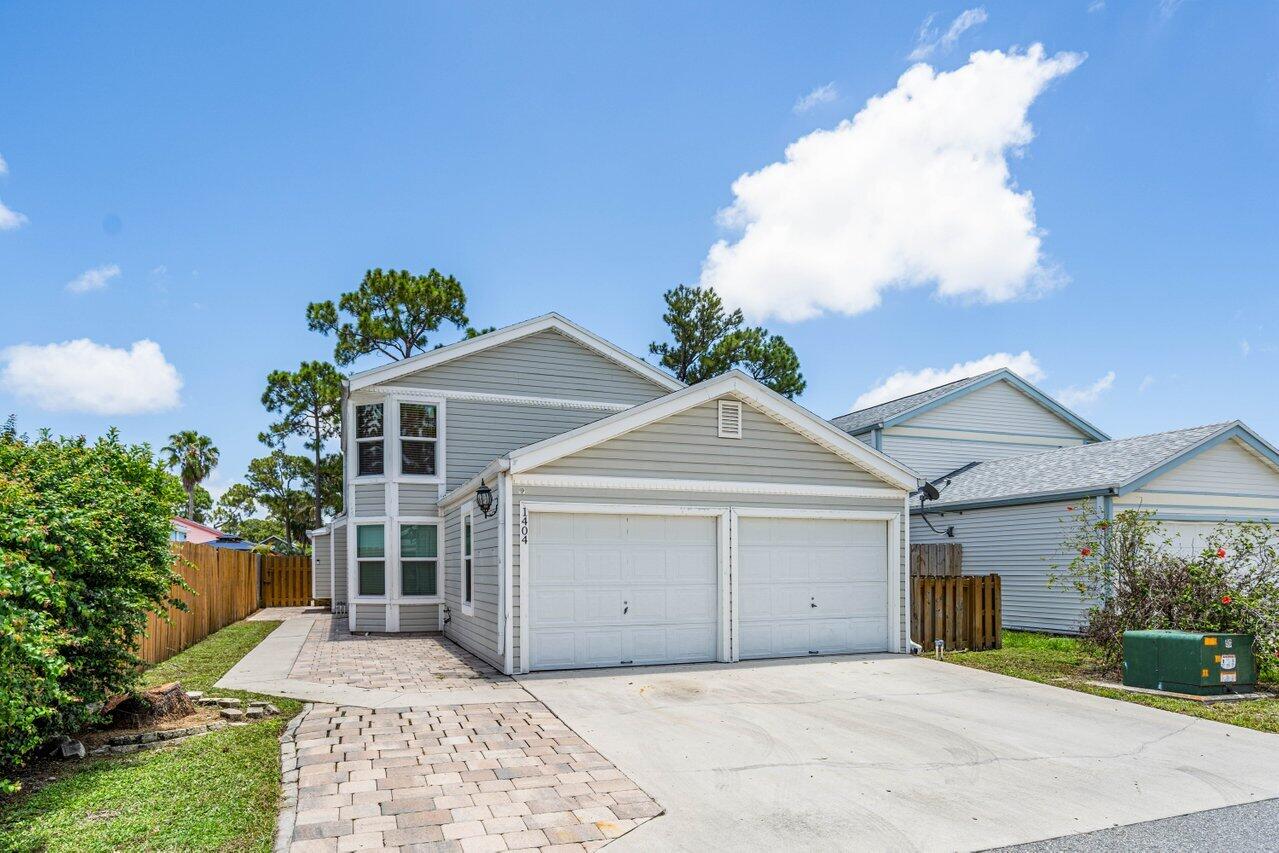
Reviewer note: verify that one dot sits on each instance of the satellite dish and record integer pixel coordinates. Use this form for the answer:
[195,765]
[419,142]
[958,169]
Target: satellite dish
[930,492]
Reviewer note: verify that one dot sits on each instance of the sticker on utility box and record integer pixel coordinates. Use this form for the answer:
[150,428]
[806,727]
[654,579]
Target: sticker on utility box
[1227,661]
[1227,677]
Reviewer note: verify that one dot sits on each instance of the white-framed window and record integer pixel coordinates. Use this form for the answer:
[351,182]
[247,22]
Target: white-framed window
[370,440]
[419,560]
[468,563]
[419,439]
[370,560]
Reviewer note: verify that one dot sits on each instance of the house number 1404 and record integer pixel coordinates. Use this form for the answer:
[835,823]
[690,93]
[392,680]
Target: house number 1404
[523,526]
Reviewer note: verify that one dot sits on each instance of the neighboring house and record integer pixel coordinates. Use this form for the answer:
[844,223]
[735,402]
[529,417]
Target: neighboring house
[186,530]
[631,520]
[1012,515]
[1013,465]
[990,416]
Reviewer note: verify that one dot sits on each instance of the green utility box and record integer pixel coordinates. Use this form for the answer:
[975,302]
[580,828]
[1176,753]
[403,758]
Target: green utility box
[1188,662]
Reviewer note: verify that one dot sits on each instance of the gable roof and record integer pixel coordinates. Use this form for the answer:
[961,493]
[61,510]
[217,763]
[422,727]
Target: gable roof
[735,383]
[1108,467]
[903,408]
[470,346]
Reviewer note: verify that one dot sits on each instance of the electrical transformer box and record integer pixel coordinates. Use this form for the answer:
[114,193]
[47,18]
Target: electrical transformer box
[1189,662]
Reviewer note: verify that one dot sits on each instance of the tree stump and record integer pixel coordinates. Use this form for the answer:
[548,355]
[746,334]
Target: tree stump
[167,701]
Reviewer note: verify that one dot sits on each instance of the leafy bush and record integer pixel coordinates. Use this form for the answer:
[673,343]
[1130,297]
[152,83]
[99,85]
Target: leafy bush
[84,557]
[1129,566]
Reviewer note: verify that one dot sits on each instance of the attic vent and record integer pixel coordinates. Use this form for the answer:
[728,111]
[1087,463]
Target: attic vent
[730,419]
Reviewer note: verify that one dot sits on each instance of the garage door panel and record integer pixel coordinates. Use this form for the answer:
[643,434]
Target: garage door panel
[645,589]
[557,564]
[840,566]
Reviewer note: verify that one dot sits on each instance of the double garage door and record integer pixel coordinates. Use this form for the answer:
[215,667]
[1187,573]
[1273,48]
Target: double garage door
[615,589]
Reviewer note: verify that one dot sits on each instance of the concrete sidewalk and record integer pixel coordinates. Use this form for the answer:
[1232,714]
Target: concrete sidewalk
[270,669]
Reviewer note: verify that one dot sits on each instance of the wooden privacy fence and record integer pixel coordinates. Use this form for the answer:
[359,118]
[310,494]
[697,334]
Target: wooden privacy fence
[224,589]
[963,612]
[944,559]
[286,581]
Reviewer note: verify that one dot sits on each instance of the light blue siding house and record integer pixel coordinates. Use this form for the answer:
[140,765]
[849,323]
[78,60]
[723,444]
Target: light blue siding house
[1012,467]
[550,501]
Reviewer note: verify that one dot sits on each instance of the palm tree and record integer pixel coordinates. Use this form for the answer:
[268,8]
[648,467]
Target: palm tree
[195,457]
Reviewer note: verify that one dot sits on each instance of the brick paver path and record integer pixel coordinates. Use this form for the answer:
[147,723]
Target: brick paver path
[408,663]
[474,777]
[467,778]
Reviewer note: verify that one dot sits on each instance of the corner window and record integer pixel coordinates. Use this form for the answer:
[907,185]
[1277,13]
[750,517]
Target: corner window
[370,559]
[419,559]
[369,439]
[468,565]
[417,438]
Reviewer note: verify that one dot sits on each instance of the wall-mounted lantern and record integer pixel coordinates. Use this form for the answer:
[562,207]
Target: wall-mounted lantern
[484,500]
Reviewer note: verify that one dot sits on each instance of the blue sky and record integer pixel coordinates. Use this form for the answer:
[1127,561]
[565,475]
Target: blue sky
[221,166]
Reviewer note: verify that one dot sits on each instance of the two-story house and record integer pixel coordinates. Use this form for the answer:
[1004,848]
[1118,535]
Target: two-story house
[550,501]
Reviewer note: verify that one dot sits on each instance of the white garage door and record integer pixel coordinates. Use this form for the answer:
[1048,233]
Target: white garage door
[607,590]
[811,586]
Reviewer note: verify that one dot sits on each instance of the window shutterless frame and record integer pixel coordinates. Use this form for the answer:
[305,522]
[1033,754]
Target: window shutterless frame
[418,438]
[419,560]
[370,439]
[370,561]
[467,575]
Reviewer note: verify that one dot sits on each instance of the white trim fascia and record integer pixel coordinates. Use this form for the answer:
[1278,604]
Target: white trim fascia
[333,568]
[554,321]
[657,484]
[411,393]
[722,545]
[494,468]
[507,572]
[740,385]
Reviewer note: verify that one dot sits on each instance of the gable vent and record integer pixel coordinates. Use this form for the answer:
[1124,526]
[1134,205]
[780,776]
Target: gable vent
[730,419]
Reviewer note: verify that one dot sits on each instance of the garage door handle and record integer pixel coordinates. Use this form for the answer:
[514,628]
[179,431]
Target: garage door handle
[626,608]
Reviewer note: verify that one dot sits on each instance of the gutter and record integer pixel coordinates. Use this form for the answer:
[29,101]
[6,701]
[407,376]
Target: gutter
[1017,500]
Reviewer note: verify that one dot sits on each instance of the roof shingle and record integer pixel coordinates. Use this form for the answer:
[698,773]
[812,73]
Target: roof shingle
[862,419]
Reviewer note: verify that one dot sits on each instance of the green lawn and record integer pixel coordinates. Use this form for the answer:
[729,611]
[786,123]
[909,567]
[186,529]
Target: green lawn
[1064,662]
[219,791]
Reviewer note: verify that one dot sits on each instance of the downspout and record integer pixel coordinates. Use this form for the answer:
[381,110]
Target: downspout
[877,439]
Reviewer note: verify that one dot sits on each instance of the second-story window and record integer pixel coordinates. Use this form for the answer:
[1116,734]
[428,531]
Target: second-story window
[418,438]
[370,438]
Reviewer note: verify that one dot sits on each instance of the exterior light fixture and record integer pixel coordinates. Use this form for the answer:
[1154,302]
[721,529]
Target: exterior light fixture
[484,500]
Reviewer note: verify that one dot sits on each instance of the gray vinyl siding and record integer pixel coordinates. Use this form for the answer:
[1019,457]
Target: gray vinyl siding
[687,446]
[418,498]
[419,617]
[1022,544]
[709,499]
[1203,487]
[993,422]
[477,432]
[320,566]
[478,633]
[368,499]
[340,562]
[543,364]
[368,617]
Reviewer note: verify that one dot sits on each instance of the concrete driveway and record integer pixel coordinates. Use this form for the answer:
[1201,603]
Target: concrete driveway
[894,753]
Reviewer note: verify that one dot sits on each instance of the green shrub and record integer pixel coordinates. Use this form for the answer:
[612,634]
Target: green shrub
[1129,567]
[84,557]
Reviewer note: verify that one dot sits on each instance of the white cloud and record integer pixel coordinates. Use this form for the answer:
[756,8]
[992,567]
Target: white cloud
[915,189]
[1245,348]
[1147,383]
[83,376]
[1089,394]
[905,382]
[929,38]
[94,279]
[1096,6]
[821,95]
[1168,8]
[9,219]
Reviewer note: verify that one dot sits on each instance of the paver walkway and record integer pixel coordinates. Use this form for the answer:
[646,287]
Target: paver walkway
[482,766]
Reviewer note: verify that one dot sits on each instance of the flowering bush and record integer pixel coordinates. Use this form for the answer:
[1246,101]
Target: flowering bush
[1129,568]
[84,557]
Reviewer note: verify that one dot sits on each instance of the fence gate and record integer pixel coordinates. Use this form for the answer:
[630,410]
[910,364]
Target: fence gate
[964,612]
[286,581]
